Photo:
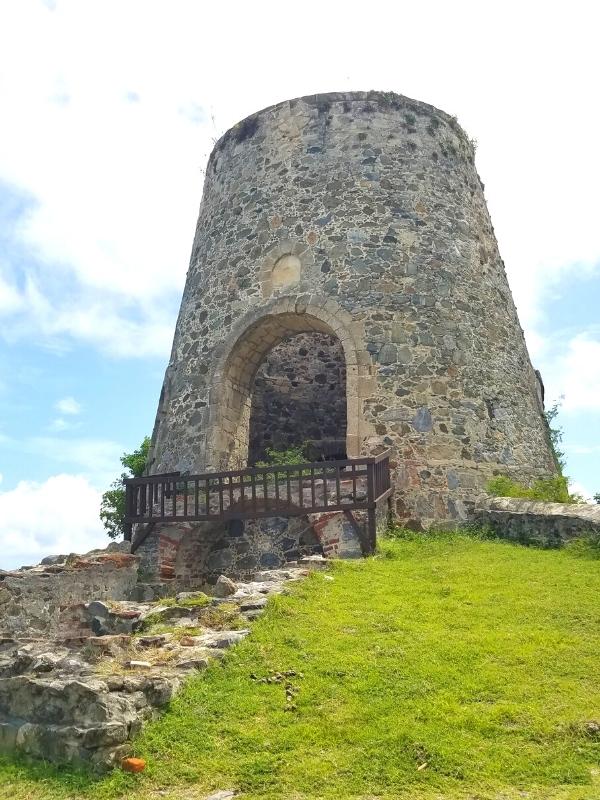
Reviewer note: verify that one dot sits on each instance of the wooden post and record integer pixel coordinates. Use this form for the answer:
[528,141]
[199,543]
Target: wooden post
[371,508]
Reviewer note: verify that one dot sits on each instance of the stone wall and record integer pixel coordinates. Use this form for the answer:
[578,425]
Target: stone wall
[538,523]
[51,597]
[77,693]
[361,216]
[193,555]
[299,396]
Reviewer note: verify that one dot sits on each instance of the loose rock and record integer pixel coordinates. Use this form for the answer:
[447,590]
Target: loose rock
[224,587]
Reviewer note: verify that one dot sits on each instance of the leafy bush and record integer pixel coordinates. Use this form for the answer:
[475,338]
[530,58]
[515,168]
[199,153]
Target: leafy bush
[199,601]
[553,489]
[296,454]
[112,505]
[292,455]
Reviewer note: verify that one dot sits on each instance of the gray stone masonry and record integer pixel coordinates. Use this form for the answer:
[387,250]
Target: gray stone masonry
[534,522]
[49,598]
[359,216]
[299,396]
[78,693]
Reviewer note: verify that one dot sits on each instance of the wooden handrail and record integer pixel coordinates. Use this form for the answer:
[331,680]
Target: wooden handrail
[274,490]
[259,470]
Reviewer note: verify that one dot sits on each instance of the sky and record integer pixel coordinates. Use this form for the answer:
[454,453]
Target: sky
[108,112]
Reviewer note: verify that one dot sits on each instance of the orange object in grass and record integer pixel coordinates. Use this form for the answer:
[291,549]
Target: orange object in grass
[133,764]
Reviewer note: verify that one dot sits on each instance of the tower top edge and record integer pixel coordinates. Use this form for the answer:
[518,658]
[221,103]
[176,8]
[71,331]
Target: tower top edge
[324,101]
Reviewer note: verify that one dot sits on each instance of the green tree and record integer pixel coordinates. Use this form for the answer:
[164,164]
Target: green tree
[597,498]
[556,434]
[112,505]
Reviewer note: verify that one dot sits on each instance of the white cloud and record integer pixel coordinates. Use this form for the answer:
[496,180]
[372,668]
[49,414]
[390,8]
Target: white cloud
[59,515]
[59,424]
[96,459]
[576,373]
[68,405]
[10,298]
[117,326]
[111,149]
[578,488]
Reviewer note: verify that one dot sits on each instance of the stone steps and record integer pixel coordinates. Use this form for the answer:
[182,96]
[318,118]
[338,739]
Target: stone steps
[83,719]
[82,698]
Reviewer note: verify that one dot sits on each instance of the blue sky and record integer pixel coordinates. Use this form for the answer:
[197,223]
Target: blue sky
[109,112]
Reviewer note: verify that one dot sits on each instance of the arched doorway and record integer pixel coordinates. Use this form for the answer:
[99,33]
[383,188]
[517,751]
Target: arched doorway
[233,380]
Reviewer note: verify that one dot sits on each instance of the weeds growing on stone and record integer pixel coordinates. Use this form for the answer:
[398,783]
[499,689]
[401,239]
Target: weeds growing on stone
[199,600]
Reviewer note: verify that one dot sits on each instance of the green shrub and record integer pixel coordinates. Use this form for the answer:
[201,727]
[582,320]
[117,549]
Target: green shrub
[553,489]
[200,601]
[503,486]
[112,505]
[296,454]
[555,435]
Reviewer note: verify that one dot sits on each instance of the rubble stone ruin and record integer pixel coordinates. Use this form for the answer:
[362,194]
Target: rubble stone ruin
[345,288]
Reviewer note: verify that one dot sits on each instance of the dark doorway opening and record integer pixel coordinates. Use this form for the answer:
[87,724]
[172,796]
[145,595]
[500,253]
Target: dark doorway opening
[299,398]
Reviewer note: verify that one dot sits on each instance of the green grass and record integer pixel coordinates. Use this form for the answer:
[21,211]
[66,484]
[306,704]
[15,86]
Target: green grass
[480,659]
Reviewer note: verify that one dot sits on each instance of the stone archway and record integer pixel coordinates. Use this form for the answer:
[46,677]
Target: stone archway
[299,399]
[245,350]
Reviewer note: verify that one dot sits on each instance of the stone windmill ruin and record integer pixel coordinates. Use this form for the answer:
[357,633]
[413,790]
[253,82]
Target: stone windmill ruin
[345,288]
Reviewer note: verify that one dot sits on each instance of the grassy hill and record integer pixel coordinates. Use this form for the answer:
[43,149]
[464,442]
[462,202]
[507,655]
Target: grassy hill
[446,667]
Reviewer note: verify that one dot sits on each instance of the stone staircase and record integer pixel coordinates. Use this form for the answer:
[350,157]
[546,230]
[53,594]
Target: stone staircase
[81,672]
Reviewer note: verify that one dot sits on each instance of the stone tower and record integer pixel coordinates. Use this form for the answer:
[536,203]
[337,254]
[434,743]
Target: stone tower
[350,231]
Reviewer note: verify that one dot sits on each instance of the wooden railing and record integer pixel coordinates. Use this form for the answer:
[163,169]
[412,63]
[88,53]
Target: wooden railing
[277,490]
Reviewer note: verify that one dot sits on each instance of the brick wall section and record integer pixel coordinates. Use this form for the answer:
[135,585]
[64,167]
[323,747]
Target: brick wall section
[194,555]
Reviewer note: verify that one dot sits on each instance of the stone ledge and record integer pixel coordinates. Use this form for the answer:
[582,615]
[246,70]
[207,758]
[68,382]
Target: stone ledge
[536,522]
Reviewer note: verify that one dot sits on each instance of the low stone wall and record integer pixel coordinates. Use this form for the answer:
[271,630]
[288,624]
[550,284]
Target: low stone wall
[78,718]
[534,522]
[81,701]
[49,598]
